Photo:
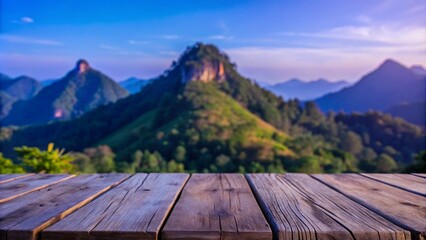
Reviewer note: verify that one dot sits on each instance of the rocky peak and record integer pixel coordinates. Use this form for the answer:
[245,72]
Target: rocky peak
[82,66]
[204,72]
[203,63]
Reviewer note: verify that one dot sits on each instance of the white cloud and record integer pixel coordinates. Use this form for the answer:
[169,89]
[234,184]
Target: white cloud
[23,20]
[122,51]
[170,37]
[29,40]
[27,20]
[136,42]
[371,33]
[221,37]
[170,53]
[109,47]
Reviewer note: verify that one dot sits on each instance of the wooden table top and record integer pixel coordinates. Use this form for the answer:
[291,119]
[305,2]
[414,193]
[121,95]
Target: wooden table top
[212,206]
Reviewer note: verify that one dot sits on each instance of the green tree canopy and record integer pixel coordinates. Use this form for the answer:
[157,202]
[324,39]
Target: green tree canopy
[49,161]
[351,142]
[7,166]
[386,164]
[102,158]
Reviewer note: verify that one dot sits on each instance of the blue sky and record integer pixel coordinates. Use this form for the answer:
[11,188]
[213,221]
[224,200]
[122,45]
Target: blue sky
[269,40]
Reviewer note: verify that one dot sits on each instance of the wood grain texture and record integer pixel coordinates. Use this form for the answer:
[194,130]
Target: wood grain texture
[135,209]
[26,216]
[216,206]
[403,208]
[406,182]
[300,207]
[22,186]
[11,177]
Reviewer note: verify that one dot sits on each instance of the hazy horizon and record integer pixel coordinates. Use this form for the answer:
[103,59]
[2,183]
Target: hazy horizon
[270,41]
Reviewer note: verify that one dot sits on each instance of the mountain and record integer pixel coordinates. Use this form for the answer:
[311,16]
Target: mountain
[201,115]
[134,85]
[81,90]
[390,84]
[411,112]
[4,77]
[418,70]
[295,88]
[12,90]
[22,87]
[48,82]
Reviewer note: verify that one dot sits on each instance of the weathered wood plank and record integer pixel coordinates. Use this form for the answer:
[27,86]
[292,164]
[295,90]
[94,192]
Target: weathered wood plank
[300,207]
[403,208]
[19,187]
[406,182]
[216,206]
[11,177]
[135,209]
[26,216]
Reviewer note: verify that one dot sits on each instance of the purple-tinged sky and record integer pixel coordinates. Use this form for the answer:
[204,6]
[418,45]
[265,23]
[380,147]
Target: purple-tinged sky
[270,41]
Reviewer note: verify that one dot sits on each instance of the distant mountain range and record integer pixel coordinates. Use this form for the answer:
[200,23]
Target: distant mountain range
[296,88]
[81,90]
[12,90]
[201,115]
[133,84]
[411,112]
[388,85]
[418,70]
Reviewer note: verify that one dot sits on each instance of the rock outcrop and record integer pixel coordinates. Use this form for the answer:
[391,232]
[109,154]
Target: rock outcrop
[205,72]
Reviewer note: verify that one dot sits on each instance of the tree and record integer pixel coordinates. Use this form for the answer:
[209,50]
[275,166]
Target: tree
[102,157]
[222,160]
[180,153]
[386,164]
[419,165]
[49,161]
[150,162]
[309,165]
[366,160]
[351,142]
[83,163]
[7,166]
[175,167]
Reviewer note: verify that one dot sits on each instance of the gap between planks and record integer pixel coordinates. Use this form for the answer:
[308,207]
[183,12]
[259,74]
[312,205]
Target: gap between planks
[406,182]
[22,186]
[4,178]
[403,208]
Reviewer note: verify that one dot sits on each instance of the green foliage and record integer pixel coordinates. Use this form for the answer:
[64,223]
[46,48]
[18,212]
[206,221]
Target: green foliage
[309,165]
[7,166]
[385,164]
[351,142]
[419,165]
[49,161]
[175,167]
[97,159]
[83,163]
[180,153]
